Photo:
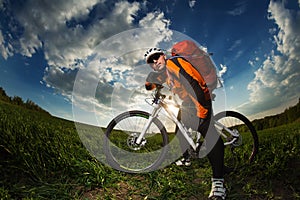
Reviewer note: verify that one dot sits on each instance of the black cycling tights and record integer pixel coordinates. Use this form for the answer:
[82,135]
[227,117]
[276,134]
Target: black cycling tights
[214,143]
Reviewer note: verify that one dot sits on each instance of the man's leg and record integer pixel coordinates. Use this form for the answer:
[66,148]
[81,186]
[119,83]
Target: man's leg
[215,145]
[185,116]
[215,156]
[184,145]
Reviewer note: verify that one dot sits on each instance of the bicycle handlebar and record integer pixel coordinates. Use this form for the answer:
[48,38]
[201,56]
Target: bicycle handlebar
[158,95]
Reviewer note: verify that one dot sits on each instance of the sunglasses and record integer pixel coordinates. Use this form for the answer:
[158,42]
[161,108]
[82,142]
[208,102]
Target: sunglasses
[154,57]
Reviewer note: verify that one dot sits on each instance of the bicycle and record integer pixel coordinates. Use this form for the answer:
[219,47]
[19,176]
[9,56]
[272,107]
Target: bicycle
[137,141]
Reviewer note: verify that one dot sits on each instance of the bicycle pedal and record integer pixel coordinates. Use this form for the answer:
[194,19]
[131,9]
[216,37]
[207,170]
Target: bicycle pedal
[144,141]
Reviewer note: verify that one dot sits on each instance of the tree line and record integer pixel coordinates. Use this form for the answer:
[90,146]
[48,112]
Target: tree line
[16,100]
[288,116]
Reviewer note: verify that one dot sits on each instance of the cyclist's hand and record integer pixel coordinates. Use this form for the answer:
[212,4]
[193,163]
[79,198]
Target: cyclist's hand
[150,86]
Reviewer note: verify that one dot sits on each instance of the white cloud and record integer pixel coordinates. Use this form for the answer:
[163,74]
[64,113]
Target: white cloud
[48,26]
[71,41]
[157,21]
[254,61]
[276,82]
[3,49]
[192,3]
[239,9]
[250,62]
[107,49]
[235,45]
[44,27]
[115,74]
[223,70]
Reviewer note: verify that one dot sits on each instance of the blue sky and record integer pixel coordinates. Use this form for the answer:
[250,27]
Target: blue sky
[82,60]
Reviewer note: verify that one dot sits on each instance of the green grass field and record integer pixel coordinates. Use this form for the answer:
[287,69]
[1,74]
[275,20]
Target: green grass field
[42,157]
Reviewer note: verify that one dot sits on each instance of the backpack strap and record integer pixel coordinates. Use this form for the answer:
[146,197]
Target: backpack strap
[189,77]
[176,62]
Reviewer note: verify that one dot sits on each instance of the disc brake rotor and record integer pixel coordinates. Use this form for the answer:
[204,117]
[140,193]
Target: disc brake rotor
[131,142]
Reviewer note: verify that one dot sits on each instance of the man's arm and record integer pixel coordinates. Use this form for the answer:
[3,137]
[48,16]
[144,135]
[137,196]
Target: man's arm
[154,79]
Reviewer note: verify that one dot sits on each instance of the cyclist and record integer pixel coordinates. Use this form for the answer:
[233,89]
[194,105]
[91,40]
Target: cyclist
[196,108]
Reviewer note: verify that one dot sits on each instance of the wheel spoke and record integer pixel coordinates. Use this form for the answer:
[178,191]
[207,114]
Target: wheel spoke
[121,149]
[243,150]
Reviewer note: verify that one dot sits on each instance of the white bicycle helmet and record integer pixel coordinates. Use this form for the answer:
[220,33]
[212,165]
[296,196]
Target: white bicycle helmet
[152,51]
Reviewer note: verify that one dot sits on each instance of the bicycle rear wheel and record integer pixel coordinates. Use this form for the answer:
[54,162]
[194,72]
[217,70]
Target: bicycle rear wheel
[244,150]
[122,153]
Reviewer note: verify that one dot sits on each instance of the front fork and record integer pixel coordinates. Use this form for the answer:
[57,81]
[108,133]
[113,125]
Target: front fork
[153,115]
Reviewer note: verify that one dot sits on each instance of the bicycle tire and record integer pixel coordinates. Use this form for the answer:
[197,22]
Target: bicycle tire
[238,155]
[122,130]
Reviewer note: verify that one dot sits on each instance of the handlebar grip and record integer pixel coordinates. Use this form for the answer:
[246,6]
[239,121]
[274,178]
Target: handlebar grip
[159,86]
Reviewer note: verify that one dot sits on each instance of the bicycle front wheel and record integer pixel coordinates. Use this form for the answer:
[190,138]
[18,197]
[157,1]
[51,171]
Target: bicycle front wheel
[245,148]
[121,150]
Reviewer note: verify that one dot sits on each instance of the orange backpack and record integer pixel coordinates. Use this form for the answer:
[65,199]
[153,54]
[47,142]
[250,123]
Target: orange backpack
[199,59]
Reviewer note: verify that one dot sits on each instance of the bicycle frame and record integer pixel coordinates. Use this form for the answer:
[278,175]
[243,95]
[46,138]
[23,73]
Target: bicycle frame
[159,104]
[142,132]
[157,108]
